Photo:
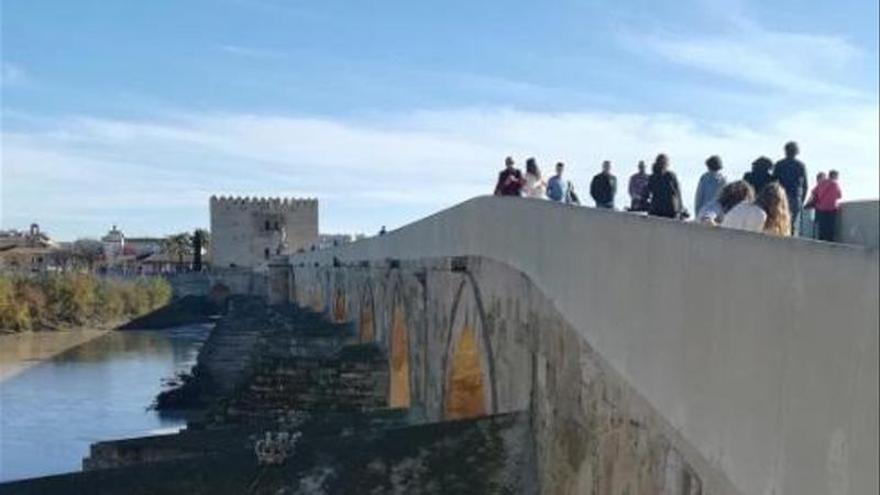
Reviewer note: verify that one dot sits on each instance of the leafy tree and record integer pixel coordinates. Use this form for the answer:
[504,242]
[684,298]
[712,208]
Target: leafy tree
[88,252]
[201,241]
[178,246]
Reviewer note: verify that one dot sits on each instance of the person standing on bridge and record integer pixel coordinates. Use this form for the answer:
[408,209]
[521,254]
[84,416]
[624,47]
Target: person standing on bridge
[792,176]
[730,195]
[510,180]
[603,188]
[561,190]
[761,174]
[663,194]
[710,184]
[825,197]
[534,185]
[637,184]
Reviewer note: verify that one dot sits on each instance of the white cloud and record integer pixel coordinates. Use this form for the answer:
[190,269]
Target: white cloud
[388,169]
[792,62]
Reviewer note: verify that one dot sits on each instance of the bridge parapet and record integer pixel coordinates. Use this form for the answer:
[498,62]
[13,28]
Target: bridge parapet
[759,354]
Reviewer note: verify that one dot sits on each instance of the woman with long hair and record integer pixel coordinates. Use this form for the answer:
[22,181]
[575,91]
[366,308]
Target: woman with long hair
[534,186]
[773,200]
[730,195]
[662,194]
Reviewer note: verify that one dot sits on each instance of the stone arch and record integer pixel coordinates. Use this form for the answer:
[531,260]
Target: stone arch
[340,312]
[469,385]
[399,384]
[367,316]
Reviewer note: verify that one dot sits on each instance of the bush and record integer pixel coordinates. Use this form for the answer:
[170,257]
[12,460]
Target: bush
[52,300]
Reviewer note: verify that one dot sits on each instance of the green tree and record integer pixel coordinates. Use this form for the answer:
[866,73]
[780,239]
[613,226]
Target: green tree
[201,241]
[178,246]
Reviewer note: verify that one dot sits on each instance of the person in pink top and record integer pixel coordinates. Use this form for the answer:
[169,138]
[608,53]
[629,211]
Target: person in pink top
[824,199]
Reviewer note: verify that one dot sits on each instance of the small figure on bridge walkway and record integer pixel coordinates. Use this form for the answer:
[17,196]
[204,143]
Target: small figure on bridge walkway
[824,200]
[792,176]
[731,195]
[663,194]
[710,184]
[768,214]
[561,190]
[534,186]
[637,184]
[603,188]
[510,180]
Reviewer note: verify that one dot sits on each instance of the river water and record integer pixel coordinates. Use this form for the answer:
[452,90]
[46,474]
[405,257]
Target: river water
[99,390]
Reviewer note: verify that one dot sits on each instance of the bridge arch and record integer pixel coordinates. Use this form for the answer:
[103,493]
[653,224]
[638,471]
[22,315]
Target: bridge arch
[367,315]
[469,382]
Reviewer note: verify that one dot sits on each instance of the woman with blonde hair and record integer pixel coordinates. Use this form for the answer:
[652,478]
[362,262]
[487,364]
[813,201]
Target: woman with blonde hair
[773,200]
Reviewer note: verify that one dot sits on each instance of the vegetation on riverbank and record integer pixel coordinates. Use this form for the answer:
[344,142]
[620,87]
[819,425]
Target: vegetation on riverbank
[54,301]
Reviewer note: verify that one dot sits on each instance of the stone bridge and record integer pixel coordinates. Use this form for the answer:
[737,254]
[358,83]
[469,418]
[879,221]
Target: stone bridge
[654,356]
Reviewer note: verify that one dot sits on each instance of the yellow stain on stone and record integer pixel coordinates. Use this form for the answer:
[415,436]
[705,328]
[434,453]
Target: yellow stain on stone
[464,392]
[366,327]
[339,312]
[399,390]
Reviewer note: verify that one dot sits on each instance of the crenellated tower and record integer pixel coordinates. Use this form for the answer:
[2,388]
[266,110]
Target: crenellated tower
[246,232]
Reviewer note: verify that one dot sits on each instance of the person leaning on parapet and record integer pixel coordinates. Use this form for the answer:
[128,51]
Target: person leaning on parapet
[710,184]
[561,190]
[761,174]
[603,188]
[792,176]
[637,183]
[824,199]
[730,195]
[768,214]
[534,186]
[510,180]
[663,194]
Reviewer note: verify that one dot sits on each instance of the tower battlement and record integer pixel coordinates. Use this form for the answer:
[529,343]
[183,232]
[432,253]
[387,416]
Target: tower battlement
[263,203]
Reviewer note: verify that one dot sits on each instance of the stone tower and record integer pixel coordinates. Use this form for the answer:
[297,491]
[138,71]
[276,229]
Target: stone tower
[246,232]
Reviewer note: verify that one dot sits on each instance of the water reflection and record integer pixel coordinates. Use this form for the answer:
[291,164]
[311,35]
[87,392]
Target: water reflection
[100,390]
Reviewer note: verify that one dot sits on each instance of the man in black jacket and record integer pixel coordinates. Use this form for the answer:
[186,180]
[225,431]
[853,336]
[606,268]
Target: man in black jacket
[603,188]
[792,176]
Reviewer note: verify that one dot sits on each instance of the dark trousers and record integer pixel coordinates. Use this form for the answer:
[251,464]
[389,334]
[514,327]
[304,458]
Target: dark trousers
[826,224]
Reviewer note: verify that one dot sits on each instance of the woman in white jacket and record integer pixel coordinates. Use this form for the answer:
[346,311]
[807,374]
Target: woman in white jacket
[535,186]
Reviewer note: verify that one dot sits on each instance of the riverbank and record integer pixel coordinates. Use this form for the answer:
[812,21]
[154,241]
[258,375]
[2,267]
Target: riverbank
[20,351]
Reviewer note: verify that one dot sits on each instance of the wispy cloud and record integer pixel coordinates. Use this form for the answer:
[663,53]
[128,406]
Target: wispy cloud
[789,61]
[249,52]
[156,176]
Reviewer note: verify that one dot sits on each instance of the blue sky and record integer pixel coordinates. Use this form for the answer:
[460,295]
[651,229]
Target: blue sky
[134,112]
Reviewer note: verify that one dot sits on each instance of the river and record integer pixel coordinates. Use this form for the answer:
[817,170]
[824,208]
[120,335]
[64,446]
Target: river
[99,390]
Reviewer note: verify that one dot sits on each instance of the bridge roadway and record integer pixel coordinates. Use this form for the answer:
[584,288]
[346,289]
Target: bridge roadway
[760,352]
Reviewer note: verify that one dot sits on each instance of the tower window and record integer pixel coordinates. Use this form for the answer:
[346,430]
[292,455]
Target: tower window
[266,253]
[268,225]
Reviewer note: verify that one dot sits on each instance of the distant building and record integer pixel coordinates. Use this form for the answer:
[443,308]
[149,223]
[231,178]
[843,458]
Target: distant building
[114,244]
[31,250]
[143,246]
[246,232]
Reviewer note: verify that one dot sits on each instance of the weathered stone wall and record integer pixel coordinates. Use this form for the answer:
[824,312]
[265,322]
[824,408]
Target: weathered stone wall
[478,338]
[246,232]
[761,352]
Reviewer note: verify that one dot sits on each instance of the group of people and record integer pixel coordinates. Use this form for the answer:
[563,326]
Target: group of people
[770,198]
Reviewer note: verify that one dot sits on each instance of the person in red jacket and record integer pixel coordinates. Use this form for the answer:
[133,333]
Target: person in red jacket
[824,199]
